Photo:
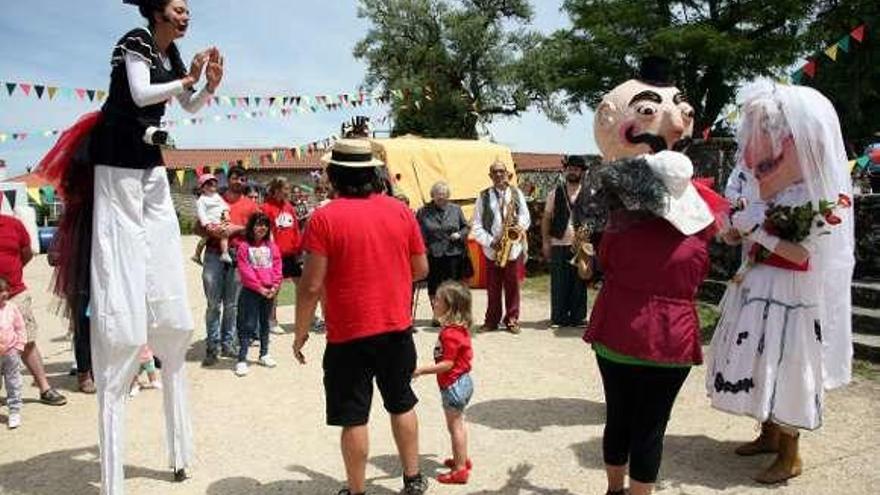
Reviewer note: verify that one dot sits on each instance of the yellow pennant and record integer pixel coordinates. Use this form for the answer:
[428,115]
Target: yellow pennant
[832,52]
[34,194]
[181,175]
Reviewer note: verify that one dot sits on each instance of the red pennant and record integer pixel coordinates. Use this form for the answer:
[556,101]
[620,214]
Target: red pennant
[26,88]
[858,33]
[706,134]
[810,68]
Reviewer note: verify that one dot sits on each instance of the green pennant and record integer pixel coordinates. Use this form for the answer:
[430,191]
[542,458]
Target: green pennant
[796,76]
[10,87]
[843,44]
[48,193]
[863,161]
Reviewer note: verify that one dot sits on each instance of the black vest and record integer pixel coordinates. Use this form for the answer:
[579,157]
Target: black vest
[562,211]
[488,214]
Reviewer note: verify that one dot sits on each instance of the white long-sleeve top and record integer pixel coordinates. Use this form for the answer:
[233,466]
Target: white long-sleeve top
[523,220]
[210,209]
[144,94]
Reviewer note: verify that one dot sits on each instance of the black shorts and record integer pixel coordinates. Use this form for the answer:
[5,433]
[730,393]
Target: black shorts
[291,267]
[349,369]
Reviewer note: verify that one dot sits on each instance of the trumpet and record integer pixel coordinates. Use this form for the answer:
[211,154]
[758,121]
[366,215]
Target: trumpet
[583,253]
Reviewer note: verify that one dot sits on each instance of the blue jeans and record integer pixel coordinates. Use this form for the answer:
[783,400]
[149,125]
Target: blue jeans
[222,287]
[457,395]
[253,322]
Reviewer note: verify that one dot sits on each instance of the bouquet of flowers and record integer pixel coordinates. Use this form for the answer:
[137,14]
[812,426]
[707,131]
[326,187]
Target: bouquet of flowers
[794,223]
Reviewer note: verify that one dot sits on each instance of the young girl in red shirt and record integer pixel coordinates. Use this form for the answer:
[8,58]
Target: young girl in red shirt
[452,356]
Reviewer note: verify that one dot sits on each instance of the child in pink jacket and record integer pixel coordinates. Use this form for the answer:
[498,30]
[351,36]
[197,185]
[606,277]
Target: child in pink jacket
[12,340]
[259,267]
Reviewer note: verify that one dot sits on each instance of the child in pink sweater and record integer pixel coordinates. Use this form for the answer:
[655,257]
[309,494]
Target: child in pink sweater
[12,340]
[259,267]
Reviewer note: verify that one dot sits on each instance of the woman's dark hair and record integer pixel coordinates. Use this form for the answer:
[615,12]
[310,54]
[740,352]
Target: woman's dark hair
[258,218]
[149,7]
[351,182]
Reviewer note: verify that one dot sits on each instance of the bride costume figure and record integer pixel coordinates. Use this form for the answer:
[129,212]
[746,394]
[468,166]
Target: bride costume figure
[785,333]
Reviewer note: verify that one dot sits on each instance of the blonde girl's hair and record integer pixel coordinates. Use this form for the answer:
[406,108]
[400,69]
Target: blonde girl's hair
[458,301]
[277,184]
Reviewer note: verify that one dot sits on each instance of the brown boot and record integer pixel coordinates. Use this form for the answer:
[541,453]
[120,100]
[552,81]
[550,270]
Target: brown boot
[766,443]
[787,464]
[86,383]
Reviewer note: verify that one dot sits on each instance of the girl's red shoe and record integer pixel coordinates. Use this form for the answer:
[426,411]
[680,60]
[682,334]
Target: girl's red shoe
[450,463]
[459,477]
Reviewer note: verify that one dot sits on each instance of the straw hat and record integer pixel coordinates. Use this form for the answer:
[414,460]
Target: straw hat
[686,210]
[353,153]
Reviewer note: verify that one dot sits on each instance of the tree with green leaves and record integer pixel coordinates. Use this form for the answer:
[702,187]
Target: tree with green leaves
[712,45]
[852,81]
[451,65]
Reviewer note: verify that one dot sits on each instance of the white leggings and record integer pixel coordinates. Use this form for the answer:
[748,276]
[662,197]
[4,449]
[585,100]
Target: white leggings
[138,297]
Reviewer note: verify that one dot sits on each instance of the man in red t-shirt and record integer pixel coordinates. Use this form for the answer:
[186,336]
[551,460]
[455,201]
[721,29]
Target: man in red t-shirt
[364,249]
[15,253]
[219,278]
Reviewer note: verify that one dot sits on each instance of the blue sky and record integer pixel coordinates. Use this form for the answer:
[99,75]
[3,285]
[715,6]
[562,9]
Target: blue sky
[271,47]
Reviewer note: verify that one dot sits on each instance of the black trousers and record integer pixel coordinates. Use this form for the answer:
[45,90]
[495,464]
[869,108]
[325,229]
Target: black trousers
[441,269]
[638,402]
[568,292]
[82,344]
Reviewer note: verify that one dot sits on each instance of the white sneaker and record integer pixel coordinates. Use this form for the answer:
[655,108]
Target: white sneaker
[277,330]
[156,384]
[241,369]
[135,390]
[226,258]
[268,362]
[14,421]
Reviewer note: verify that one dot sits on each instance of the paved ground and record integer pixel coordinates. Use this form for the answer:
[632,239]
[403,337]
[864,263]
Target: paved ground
[535,425]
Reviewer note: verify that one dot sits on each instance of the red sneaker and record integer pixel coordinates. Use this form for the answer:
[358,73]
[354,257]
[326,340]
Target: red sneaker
[459,477]
[450,463]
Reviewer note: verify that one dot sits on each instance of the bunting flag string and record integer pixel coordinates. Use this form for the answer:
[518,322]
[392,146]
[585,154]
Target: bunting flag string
[810,68]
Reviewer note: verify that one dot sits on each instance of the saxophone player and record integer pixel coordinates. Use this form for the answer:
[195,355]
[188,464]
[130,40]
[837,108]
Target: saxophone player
[501,220]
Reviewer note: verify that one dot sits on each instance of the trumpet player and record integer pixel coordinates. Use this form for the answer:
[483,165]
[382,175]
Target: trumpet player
[501,220]
[568,291]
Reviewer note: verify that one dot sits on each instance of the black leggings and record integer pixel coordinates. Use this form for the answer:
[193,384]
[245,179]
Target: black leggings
[638,403]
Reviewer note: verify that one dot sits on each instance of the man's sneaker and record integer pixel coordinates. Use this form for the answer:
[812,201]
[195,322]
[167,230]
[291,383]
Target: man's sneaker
[51,397]
[210,359]
[226,258]
[241,368]
[195,259]
[318,326]
[14,421]
[229,352]
[156,384]
[135,390]
[267,361]
[416,485]
[277,329]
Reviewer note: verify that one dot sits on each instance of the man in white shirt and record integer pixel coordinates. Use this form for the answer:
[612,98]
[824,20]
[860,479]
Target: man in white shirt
[488,226]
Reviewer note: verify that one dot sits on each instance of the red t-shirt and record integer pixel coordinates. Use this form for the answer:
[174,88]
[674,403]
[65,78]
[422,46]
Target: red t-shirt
[13,238]
[285,227]
[368,243]
[240,210]
[453,344]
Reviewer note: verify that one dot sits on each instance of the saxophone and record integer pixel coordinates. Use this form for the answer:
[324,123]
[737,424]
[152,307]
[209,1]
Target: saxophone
[583,253]
[510,233]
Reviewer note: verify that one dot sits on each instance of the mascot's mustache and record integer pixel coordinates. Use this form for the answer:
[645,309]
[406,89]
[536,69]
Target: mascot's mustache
[658,143]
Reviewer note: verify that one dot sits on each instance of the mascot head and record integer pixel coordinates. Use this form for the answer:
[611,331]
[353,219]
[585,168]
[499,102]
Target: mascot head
[644,115]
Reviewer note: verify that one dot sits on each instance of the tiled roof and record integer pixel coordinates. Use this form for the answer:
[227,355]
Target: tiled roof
[283,158]
[536,162]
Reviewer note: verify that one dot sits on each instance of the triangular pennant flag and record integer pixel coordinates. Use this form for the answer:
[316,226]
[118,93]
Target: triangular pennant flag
[844,43]
[10,197]
[247,101]
[181,175]
[48,193]
[39,90]
[34,194]
[225,167]
[858,33]
[10,87]
[810,68]
[257,101]
[796,76]
[52,90]
[100,95]
[863,161]
[81,93]
[3,138]
[706,134]
[831,51]
[26,88]
[91,93]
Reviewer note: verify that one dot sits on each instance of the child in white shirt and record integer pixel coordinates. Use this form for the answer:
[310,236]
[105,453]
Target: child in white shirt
[212,211]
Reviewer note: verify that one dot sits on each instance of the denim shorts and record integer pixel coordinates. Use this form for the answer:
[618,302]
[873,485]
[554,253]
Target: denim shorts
[457,395]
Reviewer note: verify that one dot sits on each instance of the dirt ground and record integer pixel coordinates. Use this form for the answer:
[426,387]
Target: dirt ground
[535,424]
